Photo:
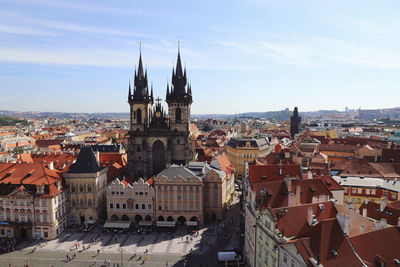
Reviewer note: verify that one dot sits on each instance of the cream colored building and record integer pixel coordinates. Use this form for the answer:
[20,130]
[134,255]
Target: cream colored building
[130,202]
[32,202]
[87,182]
[178,195]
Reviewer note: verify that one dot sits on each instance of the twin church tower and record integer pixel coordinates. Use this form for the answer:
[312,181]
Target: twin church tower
[155,140]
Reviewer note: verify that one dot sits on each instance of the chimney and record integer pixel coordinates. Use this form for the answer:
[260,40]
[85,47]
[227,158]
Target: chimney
[98,156]
[310,215]
[344,221]
[364,212]
[362,228]
[288,182]
[298,192]
[291,199]
[383,203]
[51,165]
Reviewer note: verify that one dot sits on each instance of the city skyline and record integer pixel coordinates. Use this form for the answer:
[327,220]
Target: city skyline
[241,56]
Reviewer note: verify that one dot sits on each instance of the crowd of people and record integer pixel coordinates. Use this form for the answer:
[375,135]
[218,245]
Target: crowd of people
[7,245]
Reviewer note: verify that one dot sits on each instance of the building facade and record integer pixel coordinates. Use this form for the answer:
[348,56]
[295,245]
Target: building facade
[86,181]
[156,142]
[32,201]
[130,201]
[242,150]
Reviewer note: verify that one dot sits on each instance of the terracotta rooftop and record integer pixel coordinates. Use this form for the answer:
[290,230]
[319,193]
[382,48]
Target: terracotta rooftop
[326,240]
[273,172]
[292,221]
[379,247]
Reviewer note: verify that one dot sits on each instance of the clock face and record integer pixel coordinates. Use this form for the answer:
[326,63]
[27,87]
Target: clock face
[158,114]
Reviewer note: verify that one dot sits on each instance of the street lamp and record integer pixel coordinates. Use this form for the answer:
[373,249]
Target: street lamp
[122,251]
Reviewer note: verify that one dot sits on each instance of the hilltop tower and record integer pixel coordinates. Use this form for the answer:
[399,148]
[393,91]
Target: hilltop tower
[295,122]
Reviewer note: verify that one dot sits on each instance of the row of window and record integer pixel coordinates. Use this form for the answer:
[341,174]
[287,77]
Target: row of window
[183,188]
[179,196]
[178,207]
[22,217]
[83,203]
[82,188]
[23,203]
[137,206]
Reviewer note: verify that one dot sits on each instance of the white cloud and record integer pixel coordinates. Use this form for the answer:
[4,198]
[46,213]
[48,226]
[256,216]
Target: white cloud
[23,30]
[92,8]
[373,27]
[59,25]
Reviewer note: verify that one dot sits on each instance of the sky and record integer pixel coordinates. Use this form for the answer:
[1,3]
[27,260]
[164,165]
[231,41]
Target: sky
[241,55]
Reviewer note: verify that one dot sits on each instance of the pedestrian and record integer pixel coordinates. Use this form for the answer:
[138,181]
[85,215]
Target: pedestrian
[95,262]
[9,264]
[98,251]
[166,264]
[74,255]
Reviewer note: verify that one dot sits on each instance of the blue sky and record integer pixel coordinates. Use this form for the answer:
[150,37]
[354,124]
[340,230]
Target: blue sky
[249,55]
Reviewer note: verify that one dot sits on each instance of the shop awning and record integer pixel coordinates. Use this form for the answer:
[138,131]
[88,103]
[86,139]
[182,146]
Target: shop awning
[145,223]
[191,223]
[165,224]
[112,224]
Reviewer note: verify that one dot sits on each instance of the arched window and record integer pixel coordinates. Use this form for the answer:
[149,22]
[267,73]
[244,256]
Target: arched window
[81,203]
[72,188]
[81,188]
[89,202]
[138,149]
[73,203]
[178,114]
[89,188]
[178,141]
[139,115]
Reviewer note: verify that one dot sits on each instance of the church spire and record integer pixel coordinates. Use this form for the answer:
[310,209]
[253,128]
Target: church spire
[151,96]
[179,71]
[130,91]
[140,69]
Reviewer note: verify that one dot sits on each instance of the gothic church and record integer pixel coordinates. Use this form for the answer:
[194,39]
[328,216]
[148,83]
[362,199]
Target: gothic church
[155,140]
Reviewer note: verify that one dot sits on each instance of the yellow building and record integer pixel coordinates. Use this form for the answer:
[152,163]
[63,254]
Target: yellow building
[242,150]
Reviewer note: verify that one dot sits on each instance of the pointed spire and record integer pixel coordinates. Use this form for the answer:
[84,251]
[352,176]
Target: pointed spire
[179,72]
[140,69]
[167,88]
[151,90]
[130,91]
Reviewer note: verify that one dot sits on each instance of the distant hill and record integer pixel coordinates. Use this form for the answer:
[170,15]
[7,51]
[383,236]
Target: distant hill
[9,121]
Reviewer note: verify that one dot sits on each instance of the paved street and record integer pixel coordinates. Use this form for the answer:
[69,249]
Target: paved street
[161,248]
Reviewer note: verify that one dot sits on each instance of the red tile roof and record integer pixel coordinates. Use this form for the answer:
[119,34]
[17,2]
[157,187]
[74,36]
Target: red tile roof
[391,212]
[326,238]
[292,221]
[379,246]
[266,173]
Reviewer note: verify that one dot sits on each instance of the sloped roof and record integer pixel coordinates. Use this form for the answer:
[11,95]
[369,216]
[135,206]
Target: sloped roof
[327,236]
[381,245]
[86,162]
[293,221]
[264,173]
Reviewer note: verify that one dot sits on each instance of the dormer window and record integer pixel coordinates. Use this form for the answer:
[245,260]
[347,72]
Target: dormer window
[40,189]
